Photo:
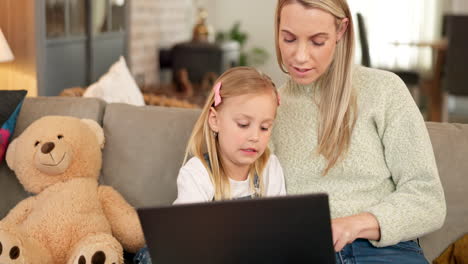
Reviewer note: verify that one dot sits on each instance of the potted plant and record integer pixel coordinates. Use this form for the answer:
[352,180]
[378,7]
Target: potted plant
[255,56]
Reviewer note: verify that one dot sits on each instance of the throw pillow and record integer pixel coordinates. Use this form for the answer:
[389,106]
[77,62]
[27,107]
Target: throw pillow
[117,86]
[10,106]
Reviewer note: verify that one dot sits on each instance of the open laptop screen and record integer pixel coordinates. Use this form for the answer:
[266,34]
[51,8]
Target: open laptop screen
[291,229]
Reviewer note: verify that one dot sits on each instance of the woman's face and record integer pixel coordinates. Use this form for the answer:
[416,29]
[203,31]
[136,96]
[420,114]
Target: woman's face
[307,41]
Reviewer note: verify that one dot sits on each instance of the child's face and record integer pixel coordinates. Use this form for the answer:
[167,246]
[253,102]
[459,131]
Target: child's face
[244,126]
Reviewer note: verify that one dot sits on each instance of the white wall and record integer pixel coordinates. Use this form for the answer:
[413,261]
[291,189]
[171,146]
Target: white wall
[257,19]
[460,6]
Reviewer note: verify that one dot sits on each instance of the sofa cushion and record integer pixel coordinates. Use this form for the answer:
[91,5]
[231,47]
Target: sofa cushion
[117,86]
[144,150]
[33,108]
[450,143]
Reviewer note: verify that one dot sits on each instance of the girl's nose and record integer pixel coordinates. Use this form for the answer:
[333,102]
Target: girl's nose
[254,136]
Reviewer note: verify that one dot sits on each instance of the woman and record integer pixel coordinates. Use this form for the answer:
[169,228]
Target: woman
[356,134]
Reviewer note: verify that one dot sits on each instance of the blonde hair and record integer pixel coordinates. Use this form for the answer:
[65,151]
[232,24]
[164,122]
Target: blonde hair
[337,103]
[235,81]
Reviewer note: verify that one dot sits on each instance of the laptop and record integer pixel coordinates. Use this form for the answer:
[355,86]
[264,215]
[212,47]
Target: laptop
[278,230]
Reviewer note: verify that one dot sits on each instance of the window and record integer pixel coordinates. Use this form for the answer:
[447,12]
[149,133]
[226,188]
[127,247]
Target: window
[67,18]
[77,17]
[55,13]
[118,15]
[401,21]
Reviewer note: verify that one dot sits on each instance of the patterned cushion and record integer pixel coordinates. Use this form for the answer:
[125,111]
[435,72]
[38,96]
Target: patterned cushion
[10,106]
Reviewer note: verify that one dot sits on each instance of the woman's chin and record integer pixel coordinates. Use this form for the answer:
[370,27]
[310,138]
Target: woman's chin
[303,80]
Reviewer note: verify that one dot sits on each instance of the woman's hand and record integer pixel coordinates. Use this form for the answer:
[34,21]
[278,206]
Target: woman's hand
[347,229]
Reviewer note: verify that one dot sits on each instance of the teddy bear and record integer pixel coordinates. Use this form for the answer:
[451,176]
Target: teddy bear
[70,218]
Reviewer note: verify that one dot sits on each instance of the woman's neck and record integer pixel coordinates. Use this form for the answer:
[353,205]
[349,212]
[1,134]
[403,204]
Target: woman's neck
[296,88]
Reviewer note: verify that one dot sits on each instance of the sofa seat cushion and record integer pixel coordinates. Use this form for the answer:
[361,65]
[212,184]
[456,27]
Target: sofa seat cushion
[144,150]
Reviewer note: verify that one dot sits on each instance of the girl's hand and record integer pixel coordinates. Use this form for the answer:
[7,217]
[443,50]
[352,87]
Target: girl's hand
[347,229]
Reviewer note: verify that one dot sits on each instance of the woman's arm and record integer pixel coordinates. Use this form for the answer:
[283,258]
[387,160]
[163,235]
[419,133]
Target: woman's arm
[417,205]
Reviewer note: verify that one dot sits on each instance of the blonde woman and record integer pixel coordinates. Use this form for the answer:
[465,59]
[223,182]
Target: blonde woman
[356,134]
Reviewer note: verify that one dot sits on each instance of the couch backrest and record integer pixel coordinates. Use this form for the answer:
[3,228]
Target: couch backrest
[450,144]
[11,192]
[144,150]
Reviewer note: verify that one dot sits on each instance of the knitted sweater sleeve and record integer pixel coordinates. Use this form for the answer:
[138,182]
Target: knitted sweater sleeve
[417,206]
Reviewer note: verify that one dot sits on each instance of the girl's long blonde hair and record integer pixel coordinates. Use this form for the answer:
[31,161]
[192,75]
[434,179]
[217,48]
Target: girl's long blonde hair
[234,82]
[337,103]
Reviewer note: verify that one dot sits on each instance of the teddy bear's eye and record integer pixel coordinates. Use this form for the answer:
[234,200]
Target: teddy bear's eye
[37,143]
[60,136]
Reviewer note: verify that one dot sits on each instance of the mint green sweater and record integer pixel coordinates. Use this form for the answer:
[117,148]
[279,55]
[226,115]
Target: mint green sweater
[389,170]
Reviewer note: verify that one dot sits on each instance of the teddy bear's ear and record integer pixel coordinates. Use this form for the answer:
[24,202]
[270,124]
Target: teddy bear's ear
[97,129]
[11,154]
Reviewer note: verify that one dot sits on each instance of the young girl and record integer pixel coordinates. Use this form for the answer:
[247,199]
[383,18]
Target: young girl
[229,144]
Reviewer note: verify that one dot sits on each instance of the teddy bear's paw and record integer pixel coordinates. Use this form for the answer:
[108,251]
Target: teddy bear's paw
[15,249]
[99,257]
[97,249]
[11,249]
[93,254]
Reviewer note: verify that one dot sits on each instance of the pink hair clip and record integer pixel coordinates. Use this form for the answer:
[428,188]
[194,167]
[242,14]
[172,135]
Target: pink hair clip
[279,99]
[217,96]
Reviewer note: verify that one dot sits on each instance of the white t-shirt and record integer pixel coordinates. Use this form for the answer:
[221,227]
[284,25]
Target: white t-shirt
[194,183]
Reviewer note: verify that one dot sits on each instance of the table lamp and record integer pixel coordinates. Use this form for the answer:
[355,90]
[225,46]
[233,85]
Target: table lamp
[5,51]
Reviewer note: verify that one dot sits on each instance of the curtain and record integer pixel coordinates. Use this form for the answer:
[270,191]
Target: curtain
[403,21]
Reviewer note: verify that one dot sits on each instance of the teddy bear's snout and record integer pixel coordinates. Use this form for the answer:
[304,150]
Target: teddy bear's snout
[47,147]
[53,158]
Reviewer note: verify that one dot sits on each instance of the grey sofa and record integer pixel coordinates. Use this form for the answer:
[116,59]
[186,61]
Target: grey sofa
[145,145]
